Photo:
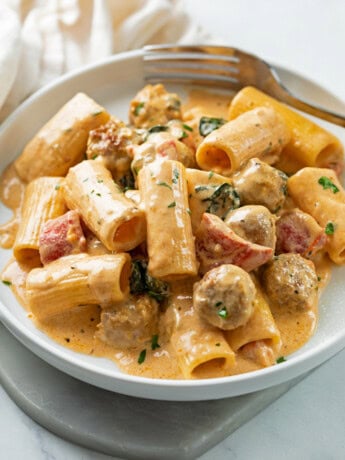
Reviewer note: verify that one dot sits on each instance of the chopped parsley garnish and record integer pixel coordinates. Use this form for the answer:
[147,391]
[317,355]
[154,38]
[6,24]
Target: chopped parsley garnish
[329,229]
[327,183]
[223,313]
[98,194]
[176,175]
[138,108]
[94,157]
[183,135]
[172,205]
[281,359]
[164,184]
[209,124]
[57,186]
[141,282]
[210,174]
[142,356]
[154,342]
[201,188]
[97,113]
[218,304]
[224,198]
[99,181]
[157,129]
[8,283]
[188,128]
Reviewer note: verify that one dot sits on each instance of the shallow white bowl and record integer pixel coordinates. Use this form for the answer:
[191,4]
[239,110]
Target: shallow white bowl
[113,83]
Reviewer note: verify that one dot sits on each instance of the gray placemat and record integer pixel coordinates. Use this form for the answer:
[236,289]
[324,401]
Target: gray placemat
[120,425]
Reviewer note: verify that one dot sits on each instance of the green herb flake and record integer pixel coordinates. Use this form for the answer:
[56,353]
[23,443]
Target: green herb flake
[319,278]
[138,108]
[85,180]
[187,127]
[97,113]
[98,194]
[217,344]
[94,156]
[200,188]
[223,313]
[157,129]
[57,186]
[328,184]
[183,135]
[164,184]
[154,342]
[99,181]
[7,283]
[218,304]
[176,176]
[142,356]
[209,124]
[189,211]
[210,174]
[172,205]
[329,229]
[281,359]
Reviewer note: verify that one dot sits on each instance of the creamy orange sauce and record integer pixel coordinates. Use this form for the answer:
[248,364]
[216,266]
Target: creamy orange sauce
[77,329]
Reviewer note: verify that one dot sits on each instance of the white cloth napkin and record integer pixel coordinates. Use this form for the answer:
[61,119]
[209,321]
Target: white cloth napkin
[42,39]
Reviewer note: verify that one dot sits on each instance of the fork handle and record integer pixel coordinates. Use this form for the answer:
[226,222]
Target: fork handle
[284,95]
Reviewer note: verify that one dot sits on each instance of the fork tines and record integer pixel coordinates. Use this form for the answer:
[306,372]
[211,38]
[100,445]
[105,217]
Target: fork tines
[193,65]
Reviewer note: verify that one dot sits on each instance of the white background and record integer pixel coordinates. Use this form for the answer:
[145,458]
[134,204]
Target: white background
[307,36]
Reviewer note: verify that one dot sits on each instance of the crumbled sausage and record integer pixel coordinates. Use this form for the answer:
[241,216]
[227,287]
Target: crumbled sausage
[291,282]
[225,297]
[153,105]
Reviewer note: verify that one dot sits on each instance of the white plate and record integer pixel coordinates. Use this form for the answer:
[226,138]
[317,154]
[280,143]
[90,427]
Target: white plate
[113,83]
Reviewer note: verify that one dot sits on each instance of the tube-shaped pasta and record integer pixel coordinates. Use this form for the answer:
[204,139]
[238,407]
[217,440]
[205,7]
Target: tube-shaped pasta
[260,133]
[201,348]
[113,218]
[260,327]
[170,242]
[310,145]
[61,143]
[204,190]
[318,192]
[43,200]
[75,280]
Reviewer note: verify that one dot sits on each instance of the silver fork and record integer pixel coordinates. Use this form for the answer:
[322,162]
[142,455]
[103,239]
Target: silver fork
[225,67]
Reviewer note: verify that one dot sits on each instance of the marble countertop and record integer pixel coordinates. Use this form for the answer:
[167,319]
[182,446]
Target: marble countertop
[309,421]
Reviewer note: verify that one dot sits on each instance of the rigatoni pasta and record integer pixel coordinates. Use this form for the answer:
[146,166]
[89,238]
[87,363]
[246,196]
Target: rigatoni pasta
[43,200]
[170,241]
[310,144]
[61,143]
[116,220]
[178,248]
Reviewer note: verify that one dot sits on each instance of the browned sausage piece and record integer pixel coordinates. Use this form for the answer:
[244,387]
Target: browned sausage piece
[131,323]
[260,183]
[225,296]
[291,282]
[253,223]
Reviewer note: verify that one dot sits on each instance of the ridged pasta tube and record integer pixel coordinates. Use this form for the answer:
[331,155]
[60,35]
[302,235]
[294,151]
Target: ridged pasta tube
[75,280]
[116,220]
[259,133]
[43,200]
[318,192]
[170,242]
[61,142]
[310,145]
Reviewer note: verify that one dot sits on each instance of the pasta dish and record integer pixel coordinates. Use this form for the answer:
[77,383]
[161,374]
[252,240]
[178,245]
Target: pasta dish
[191,241]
